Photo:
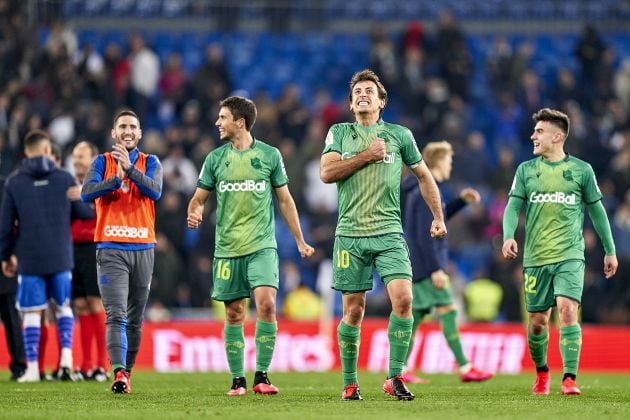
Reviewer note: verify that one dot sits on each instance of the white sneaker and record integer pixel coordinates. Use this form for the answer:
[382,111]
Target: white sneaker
[30,375]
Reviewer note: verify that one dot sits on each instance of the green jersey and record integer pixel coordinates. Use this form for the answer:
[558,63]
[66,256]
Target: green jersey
[369,200]
[555,194]
[243,182]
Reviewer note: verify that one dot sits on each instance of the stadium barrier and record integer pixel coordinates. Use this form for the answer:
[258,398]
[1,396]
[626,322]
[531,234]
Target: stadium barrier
[501,348]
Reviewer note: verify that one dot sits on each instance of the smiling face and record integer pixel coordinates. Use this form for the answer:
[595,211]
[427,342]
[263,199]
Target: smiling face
[226,124]
[365,99]
[127,132]
[546,137]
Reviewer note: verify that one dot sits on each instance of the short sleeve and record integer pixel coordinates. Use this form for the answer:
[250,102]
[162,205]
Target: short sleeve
[278,173]
[333,141]
[518,184]
[590,189]
[411,156]
[207,180]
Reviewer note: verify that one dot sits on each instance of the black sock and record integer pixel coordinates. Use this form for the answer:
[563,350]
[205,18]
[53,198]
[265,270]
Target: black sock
[568,375]
[544,368]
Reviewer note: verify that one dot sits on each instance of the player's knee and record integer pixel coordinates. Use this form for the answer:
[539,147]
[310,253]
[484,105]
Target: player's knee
[537,328]
[402,304]
[266,309]
[116,317]
[355,313]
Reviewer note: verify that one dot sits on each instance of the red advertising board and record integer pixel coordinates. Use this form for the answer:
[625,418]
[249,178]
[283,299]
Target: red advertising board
[500,348]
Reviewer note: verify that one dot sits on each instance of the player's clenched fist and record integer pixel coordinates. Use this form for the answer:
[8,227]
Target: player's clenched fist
[438,229]
[377,150]
[306,250]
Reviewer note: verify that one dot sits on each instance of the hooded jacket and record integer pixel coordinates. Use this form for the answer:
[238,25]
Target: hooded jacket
[427,254]
[35,217]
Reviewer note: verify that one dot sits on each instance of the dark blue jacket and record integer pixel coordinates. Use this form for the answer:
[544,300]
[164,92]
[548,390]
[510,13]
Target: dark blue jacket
[427,254]
[35,217]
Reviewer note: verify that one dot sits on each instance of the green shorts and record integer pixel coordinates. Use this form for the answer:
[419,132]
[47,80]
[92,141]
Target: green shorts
[544,283]
[353,259]
[426,295]
[235,278]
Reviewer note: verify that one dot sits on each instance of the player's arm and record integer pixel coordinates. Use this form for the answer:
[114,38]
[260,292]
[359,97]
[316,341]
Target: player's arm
[597,213]
[431,195]
[287,208]
[150,183]
[94,186]
[8,216]
[196,207]
[510,222]
[334,169]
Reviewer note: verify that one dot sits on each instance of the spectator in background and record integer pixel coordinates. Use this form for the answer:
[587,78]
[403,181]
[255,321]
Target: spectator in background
[588,52]
[86,297]
[180,172]
[622,84]
[431,284]
[124,184]
[144,75]
[212,81]
[39,236]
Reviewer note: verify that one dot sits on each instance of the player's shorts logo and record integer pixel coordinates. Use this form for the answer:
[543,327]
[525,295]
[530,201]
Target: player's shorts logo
[555,197]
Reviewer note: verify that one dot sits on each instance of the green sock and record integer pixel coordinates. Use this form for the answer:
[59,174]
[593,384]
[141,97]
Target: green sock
[538,347]
[418,316]
[235,349]
[448,321]
[399,333]
[265,343]
[349,339]
[570,345]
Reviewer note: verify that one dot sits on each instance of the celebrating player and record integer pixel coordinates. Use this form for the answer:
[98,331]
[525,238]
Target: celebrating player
[243,174]
[555,187]
[431,286]
[365,159]
[124,184]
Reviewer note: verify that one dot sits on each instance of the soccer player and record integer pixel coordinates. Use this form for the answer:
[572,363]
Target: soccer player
[124,184]
[35,228]
[555,187]
[243,173]
[85,294]
[431,286]
[365,159]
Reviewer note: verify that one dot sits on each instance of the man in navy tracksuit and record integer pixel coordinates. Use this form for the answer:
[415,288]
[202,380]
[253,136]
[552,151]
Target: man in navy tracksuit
[35,228]
[12,320]
[429,256]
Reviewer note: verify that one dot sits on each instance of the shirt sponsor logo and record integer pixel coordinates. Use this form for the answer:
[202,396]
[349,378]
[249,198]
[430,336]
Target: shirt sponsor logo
[248,185]
[556,197]
[115,231]
[389,157]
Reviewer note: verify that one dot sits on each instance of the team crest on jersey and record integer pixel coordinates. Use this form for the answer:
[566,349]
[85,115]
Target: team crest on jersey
[125,185]
[227,163]
[256,164]
[567,175]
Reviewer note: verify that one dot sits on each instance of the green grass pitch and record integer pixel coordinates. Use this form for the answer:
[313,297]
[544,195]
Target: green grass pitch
[314,396]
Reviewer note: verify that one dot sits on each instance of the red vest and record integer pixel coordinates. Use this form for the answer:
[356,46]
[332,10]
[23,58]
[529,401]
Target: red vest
[125,215]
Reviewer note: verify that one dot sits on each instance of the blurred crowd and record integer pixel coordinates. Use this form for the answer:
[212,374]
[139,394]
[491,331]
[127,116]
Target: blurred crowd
[73,90]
